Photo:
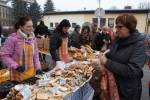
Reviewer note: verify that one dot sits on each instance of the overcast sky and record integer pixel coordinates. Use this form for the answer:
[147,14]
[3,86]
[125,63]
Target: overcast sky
[69,5]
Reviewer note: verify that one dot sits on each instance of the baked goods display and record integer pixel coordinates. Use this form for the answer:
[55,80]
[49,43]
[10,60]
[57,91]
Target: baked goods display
[61,82]
[19,92]
[14,95]
[82,54]
[89,49]
[56,84]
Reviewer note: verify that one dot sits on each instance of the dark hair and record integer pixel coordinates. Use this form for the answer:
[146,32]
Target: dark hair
[76,27]
[128,20]
[63,23]
[22,21]
[85,27]
[59,28]
[42,23]
[16,27]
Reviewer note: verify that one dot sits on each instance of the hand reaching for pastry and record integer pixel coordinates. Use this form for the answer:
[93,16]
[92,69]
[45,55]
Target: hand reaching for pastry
[102,58]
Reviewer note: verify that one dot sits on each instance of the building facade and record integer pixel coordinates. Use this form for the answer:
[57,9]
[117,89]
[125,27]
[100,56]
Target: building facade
[79,17]
[6,18]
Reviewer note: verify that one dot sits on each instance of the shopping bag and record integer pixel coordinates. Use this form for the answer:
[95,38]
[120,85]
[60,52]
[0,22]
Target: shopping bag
[108,86]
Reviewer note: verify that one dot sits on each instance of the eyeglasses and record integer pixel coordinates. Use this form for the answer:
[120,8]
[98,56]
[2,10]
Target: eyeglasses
[119,26]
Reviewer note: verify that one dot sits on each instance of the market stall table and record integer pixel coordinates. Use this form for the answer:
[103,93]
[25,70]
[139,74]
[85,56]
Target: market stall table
[82,91]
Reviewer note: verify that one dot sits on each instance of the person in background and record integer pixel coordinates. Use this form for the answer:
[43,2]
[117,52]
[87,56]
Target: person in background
[111,34]
[0,30]
[102,40]
[85,36]
[20,52]
[0,36]
[93,36]
[106,32]
[41,30]
[75,37]
[147,44]
[59,42]
[99,30]
[126,58]
[1,65]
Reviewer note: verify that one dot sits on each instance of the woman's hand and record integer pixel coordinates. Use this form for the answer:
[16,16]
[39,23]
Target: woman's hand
[103,59]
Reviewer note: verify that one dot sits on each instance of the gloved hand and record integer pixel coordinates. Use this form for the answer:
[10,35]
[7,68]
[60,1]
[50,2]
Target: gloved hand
[21,69]
[39,72]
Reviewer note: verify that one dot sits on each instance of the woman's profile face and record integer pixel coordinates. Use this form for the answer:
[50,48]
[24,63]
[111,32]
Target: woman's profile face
[27,28]
[122,30]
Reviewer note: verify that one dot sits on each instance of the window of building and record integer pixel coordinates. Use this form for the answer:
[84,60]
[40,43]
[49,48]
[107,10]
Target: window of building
[73,25]
[111,22]
[4,13]
[103,22]
[6,23]
[51,24]
[95,20]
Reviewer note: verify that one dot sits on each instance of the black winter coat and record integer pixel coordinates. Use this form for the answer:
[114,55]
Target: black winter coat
[99,41]
[55,43]
[41,30]
[75,42]
[126,60]
[93,41]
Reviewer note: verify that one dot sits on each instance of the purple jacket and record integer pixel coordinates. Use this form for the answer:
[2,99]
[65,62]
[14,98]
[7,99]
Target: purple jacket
[11,51]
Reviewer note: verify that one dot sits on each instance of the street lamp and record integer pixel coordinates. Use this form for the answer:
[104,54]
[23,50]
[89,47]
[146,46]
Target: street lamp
[99,13]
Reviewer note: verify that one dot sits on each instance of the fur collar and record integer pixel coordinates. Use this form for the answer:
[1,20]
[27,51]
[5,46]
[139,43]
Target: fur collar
[32,36]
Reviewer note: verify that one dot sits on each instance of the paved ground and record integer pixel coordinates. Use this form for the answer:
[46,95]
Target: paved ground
[145,80]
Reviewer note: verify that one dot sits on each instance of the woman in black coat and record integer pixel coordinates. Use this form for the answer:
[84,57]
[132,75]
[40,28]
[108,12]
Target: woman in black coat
[59,42]
[126,58]
[74,38]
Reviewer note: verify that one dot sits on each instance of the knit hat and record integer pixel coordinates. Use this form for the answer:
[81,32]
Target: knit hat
[65,23]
